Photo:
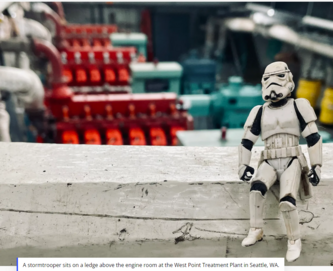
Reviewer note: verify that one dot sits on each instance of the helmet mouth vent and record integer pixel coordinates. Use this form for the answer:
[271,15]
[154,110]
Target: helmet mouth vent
[272,84]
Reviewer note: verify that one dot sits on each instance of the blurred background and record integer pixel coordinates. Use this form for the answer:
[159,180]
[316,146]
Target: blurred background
[148,73]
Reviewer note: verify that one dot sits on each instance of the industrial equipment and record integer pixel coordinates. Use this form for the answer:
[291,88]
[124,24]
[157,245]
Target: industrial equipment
[199,75]
[228,107]
[156,77]
[137,40]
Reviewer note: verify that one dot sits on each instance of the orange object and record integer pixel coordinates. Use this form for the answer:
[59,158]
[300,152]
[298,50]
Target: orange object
[107,43]
[157,137]
[86,44]
[109,113]
[113,137]
[95,75]
[87,112]
[123,75]
[97,44]
[81,76]
[65,112]
[137,137]
[173,133]
[68,75]
[131,109]
[70,137]
[173,110]
[76,44]
[109,75]
[92,137]
[141,58]
[152,110]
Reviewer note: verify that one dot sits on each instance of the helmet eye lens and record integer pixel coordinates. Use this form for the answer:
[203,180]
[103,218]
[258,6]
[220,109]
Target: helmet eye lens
[281,75]
[266,78]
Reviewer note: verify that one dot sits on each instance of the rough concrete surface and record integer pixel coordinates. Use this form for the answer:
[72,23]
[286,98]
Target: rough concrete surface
[107,201]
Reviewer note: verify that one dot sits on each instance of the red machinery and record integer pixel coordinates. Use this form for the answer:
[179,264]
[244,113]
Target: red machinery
[91,64]
[79,36]
[99,70]
[89,36]
[116,119]
[86,112]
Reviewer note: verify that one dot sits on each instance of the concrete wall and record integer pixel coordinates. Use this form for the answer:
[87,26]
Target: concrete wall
[124,201]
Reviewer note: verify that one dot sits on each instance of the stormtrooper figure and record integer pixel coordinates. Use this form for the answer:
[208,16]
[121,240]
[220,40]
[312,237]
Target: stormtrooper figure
[280,122]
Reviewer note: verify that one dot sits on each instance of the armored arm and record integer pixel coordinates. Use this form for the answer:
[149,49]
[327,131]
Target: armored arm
[252,129]
[307,118]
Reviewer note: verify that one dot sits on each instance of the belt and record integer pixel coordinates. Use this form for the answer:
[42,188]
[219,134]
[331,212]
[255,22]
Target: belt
[282,153]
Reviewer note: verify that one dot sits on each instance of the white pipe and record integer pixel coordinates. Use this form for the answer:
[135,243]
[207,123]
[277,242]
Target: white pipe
[288,35]
[28,27]
[39,7]
[258,8]
[283,33]
[317,22]
[42,7]
[35,29]
[25,84]
[241,24]
[4,123]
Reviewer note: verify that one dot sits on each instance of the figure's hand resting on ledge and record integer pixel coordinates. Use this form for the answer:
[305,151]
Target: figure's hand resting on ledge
[314,175]
[245,172]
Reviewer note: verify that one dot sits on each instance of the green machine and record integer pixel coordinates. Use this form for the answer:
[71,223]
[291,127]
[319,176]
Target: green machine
[137,40]
[230,106]
[233,103]
[199,75]
[199,106]
[156,77]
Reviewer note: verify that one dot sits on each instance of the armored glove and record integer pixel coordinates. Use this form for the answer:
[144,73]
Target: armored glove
[314,175]
[245,172]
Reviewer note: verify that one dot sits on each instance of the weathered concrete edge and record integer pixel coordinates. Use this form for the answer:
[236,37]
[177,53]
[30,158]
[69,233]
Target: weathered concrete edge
[52,163]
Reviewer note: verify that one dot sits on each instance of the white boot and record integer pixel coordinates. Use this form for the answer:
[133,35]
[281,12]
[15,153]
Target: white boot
[294,250]
[257,201]
[253,237]
[256,233]
[291,220]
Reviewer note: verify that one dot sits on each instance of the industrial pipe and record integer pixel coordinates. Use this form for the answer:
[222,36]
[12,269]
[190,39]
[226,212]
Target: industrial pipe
[240,24]
[60,88]
[4,123]
[288,35]
[54,17]
[59,39]
[282,33]
[25,84]
[35,29]
[59,9]
[52,54]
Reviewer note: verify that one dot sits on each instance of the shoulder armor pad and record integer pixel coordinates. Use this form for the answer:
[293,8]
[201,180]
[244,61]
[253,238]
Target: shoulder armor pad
[306,110]
[252,116]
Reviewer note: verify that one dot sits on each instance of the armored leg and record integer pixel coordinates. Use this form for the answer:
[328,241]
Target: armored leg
[289,185]
[257,201]
[262,181]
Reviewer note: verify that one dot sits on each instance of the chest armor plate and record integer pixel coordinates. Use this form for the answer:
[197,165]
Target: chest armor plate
[282,120]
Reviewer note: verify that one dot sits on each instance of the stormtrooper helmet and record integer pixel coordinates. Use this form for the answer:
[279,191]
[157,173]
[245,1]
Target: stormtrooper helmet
[277,82]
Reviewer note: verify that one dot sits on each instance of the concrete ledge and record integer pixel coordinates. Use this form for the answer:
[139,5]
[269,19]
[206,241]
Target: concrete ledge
[67,200]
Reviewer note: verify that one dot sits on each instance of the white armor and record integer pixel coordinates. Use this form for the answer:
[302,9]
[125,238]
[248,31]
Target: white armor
[280,122]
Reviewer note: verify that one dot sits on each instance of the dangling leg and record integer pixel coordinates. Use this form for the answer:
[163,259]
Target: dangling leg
[289,185]
[257,201]
[264,178]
